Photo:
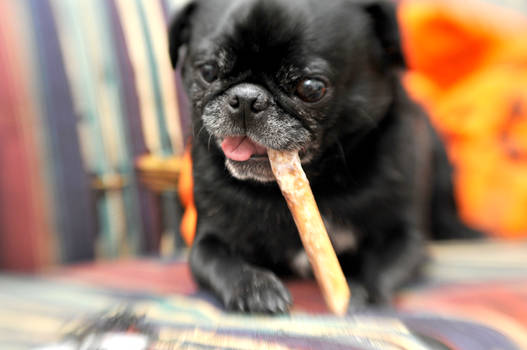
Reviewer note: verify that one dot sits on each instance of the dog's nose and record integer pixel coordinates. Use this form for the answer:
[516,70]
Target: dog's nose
[248,98]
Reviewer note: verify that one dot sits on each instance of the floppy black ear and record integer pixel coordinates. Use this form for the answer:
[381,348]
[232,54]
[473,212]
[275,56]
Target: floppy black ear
[383,14]
[179,31]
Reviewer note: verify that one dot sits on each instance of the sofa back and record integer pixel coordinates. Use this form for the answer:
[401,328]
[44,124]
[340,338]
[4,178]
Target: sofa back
[86,87]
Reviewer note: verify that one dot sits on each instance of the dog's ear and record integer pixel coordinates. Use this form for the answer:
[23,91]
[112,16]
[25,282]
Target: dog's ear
[383,14]
[179,31]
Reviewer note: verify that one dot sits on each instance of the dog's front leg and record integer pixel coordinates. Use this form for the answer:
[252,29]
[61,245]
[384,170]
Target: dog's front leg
[391,264]
[240,286]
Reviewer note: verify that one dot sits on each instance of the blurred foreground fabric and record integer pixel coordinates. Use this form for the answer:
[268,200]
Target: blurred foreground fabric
[475,297]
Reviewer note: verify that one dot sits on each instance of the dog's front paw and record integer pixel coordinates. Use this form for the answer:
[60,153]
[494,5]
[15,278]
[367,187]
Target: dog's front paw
[258,291]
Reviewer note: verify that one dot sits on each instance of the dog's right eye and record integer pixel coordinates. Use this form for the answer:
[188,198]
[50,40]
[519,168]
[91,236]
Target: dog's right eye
[209,72]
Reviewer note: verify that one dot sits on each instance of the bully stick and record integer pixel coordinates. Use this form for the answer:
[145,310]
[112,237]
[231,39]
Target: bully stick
[295,188]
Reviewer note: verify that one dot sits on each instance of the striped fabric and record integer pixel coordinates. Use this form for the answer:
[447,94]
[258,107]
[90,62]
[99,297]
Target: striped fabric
[183,322]
[475,298]
[86,87]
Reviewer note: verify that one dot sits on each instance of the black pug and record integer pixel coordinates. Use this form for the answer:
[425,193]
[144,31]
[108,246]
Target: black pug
[322,78]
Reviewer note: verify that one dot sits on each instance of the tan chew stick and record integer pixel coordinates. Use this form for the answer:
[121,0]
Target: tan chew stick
[295,188]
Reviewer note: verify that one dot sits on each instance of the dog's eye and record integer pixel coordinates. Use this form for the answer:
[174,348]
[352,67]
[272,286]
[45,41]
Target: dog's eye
[311,90]
[209,72]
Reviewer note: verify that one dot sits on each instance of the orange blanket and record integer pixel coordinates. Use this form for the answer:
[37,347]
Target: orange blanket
[468,68]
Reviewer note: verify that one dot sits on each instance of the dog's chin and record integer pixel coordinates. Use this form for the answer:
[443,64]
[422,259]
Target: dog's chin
[256,169]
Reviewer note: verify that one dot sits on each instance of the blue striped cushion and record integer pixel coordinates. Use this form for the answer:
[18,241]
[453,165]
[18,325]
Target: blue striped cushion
[103,92]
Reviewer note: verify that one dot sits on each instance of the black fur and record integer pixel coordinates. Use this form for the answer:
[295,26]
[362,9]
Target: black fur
[374,163]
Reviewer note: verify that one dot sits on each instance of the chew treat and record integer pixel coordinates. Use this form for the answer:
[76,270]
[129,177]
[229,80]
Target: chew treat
[295,188]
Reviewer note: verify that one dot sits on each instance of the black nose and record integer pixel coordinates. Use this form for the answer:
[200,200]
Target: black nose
[248,98]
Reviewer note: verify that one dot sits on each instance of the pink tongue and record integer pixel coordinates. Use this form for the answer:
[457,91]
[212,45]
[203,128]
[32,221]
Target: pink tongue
[241,148]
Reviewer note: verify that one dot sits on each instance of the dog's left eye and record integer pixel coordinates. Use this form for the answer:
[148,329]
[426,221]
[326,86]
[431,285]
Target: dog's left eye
[209,72]
[311,90]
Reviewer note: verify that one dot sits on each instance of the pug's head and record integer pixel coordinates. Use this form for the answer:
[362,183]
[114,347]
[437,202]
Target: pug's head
[289,75]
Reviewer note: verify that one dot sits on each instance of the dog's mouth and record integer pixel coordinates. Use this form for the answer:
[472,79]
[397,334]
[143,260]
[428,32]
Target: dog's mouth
[242,148]
[245,158]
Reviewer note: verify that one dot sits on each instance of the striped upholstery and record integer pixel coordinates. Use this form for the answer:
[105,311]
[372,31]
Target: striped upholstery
[86,87]
[474,297]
